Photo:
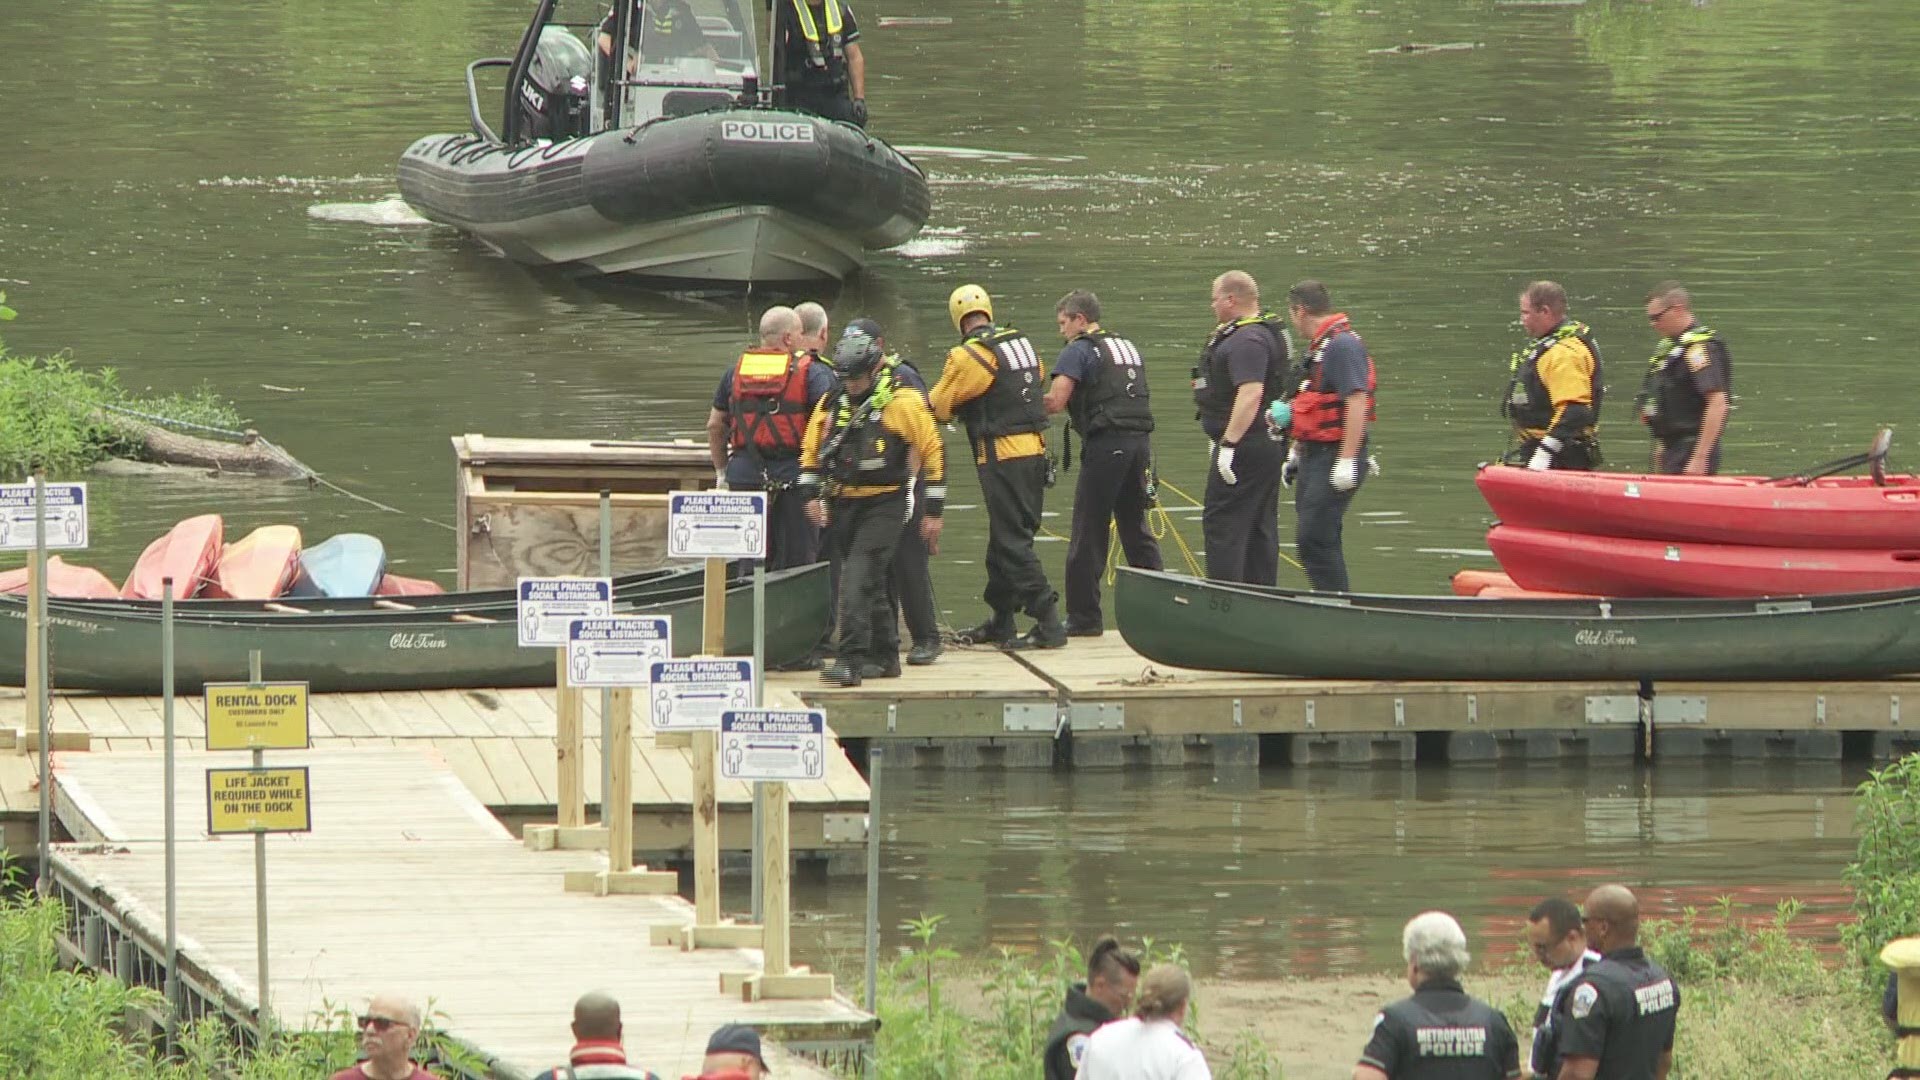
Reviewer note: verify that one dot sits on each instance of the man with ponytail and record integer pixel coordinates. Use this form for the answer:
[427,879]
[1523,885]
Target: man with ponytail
[1150,1044]
[1111,974]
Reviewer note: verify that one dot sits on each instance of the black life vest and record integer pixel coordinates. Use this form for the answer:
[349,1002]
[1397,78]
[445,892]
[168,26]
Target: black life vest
[1528,404]
[1670,404]
[860,450]
[826,54]
[769,407]
[1320,415]
[1213,386]
[1114,396]
[1016,402]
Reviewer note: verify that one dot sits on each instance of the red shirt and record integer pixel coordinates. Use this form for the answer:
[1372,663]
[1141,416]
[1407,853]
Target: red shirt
[358,1073]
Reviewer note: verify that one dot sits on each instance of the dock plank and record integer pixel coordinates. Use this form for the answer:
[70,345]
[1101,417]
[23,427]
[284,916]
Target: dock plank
[518,788]
[471,768]
[457,713]
[141,715]
[542,766]
[97,716]
[502,720]
[412,716]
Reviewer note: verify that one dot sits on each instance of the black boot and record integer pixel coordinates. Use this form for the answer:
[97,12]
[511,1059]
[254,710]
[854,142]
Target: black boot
[878,668]
[997,630]
[1049,631]
[842,673]
[925,652]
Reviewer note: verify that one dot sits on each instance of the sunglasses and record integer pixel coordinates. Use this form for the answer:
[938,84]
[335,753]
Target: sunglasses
[1654,316]
[380,1024]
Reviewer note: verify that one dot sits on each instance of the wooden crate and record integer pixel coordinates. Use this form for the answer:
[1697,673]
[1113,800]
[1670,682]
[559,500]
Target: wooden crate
[532,506]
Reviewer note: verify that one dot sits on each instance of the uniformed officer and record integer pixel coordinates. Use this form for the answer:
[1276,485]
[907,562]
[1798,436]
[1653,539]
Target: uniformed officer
[1559,942]
[1553,397]
[1112,973]
[860,450]
[1100,381]
[755,426]
[1439,1033]
[992,382]
[1243,367]
[1615,1021]
[911,586]
[1683,399]
[817,58]
[1332,410]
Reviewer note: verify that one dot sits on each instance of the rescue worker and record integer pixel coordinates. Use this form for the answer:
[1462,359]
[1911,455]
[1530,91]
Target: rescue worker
[1112,974]
[815,328]
[667,30]
[860,452]
[1616,1019]
[1243,366]
[817,58]
[1440,1033]
[1332,410]
[1683,399]
[1553,397]
[1149,1045]
[1559,942]
[991,381]
[754,429]
[1100,381]
[910,589]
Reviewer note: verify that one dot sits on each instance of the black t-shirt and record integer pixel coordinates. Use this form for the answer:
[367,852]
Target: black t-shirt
[1244,354]
[1623,1011]
[1440,1033]
[668,29]
[793,44]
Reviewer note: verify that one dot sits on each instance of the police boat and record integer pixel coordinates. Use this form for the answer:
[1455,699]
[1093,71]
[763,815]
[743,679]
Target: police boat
[681,169]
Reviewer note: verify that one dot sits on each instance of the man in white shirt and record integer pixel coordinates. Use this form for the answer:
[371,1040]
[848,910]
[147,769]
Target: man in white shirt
[1559,942]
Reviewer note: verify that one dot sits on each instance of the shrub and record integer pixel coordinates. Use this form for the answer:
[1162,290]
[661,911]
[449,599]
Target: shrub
[1885,872]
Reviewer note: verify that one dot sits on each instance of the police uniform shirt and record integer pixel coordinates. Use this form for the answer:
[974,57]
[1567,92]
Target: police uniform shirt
[741,471]
[684,39]
[1344,365]
[1542,1017]
[1622,1011]
[1440,1033]
[1136,1049]
[794,43]
[1708,365]
[1246,353]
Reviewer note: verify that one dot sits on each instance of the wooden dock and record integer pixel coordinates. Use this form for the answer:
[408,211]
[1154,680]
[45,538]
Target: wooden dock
[499,743]
[407,884]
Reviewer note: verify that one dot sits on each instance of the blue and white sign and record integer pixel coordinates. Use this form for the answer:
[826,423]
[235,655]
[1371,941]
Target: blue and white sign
[617,651]
[690,695]
[66,516]
[773,744]
[717,525]
[547,605]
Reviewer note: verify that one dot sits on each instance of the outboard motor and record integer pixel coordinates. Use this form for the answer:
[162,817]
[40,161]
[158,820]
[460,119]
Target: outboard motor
[554,99]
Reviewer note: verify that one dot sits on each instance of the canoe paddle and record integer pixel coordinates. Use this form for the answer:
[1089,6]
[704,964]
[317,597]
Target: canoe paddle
[1876,455]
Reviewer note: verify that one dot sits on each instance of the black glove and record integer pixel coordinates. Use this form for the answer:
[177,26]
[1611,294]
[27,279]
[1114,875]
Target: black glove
[860,111]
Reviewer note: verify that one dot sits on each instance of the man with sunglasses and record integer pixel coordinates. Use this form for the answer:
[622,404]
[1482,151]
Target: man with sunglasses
[1559,942]
[1616,1020]
[1684,398]
[388,1031]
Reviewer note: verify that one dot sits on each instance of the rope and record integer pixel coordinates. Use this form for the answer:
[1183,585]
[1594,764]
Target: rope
[168,421]
[1191,501]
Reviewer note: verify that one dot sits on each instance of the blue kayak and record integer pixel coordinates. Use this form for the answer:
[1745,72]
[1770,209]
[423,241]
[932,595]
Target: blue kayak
[350,564]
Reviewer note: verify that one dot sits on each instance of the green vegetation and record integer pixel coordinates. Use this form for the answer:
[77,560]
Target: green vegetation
[63,418]
[1885,872]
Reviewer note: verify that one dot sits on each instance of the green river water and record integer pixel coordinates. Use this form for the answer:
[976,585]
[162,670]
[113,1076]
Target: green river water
[194,192]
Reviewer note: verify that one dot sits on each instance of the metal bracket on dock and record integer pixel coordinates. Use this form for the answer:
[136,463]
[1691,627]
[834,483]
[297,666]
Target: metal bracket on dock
[1614,708]
[844,828]
[1679,709]
[1097,716]
[1310,721]
[1399,712]
[1820,710]
[1893,710]
[1473,708]
[1239,721]
[893,716]
[1029,717]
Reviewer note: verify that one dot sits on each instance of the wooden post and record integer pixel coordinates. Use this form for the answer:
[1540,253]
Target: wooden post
[773,874]
[616,804]
[706,761]
[567,746]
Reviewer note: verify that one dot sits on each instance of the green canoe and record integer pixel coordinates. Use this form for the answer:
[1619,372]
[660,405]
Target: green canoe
[1217,626]
[118,652]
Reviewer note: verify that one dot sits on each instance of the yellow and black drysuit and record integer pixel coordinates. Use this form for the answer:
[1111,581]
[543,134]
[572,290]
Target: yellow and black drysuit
[1553,398]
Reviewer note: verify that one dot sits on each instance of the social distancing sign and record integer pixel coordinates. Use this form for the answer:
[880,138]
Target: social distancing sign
[258,801]
[268,716]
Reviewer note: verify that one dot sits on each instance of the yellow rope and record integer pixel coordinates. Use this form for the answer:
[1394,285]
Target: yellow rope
[1166,527]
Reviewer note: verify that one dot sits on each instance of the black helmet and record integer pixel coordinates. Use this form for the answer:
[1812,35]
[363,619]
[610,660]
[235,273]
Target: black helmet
[856,355]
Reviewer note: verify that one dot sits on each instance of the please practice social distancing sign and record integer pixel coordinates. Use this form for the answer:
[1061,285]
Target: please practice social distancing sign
[617,651]
[690,695]
[547,605]
[773,744]
[66,516]
[717,525]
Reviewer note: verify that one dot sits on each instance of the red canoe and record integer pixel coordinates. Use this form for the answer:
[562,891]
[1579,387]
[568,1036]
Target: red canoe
[1833,512]
[187,554]
[1619,566]
[259,566]
[64,580]
[395,585]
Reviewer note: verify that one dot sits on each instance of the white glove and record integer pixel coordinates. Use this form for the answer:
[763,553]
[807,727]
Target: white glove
[1542,458]
[1346,474]
[1373,465]
[1290,468]
[720,480]
[1223,464]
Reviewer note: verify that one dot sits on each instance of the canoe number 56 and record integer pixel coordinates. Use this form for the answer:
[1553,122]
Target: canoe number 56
[416,641]
[1216,602]
[1603,638]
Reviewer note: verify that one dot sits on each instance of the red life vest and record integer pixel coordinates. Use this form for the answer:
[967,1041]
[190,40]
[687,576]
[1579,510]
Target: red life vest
[1320,415]
[769,405]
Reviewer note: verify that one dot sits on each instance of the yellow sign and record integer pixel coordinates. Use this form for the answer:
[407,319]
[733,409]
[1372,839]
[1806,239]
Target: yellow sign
[267,716]
[258,800]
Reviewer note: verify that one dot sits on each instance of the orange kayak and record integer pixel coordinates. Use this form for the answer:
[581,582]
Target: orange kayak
[64,580]
[187,554]
[396,585]
[1472,582]
[259,566]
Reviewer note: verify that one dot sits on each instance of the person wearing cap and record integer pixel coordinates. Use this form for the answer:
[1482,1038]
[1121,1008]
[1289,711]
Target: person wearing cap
[994,383]
[911,588]
[857,465]
[597,1053]
[733,1053]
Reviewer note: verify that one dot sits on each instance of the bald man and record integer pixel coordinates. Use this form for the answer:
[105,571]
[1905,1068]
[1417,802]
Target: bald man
[1616,1021]
[597,1052]
[1243,367]
[388,1031]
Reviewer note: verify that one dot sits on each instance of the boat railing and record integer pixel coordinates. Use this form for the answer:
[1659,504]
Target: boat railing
[479,123]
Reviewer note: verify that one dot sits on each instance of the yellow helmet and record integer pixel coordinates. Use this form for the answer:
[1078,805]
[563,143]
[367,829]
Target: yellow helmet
[966,300]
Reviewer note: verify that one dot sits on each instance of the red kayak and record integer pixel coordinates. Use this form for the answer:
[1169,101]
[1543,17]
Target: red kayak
[187,554]
[1832,512]
[259,566]
[65,581]
[1618,566]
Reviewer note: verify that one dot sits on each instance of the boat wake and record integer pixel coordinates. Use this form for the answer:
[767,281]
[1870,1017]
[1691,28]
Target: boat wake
[934,244]
[390,211]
